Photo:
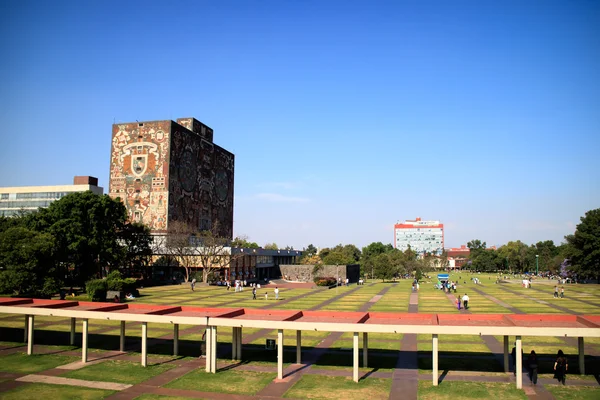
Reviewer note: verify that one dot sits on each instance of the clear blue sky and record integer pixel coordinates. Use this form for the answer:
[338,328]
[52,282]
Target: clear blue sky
[345,116]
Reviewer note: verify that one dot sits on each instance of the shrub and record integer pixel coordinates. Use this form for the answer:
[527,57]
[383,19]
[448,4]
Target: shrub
[96,289]
[130,286]
[325,281]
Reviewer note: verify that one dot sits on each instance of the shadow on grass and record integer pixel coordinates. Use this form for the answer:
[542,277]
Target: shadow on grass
[378,358]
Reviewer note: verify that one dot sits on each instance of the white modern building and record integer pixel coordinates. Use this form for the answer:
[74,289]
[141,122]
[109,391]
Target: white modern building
[421,236]
[15,200]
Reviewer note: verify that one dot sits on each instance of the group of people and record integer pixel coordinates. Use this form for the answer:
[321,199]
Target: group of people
[558,290]
[560,366]
[464,300]
[275,291]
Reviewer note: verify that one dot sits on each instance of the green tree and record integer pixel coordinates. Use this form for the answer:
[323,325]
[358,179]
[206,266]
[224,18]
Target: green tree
[310,250]
[584,246]
[243,243]
[27,265]
[271,246]
[86,228]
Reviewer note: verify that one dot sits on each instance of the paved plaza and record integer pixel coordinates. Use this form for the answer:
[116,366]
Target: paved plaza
[399,365]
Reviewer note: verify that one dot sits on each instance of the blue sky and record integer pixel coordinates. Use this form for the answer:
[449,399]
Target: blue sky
[345,116]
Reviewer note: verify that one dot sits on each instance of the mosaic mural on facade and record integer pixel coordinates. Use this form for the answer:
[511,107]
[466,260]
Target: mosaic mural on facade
[201,183]
[139,171]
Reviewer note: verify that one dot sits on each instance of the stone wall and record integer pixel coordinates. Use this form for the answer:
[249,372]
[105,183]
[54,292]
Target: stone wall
[304,273]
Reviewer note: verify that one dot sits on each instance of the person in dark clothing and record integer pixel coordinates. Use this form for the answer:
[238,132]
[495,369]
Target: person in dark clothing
[560,367]
[254,293]
[532,366]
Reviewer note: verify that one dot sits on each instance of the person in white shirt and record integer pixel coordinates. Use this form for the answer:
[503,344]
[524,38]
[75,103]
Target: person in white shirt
[465,300]
[276,293]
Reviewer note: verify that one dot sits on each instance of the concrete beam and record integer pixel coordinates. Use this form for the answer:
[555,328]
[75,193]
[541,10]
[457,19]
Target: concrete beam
[144,344]
[30,325]
[122,337]
[506,366]
[25,328]
[434,354]
[239,350]
[234,343]
[84,341]
[213,350]
[365,349]
[280,354]
[355,358]
[208,347]
[581,348]
[175,340]
[72,336]
[519,365]
[298,347]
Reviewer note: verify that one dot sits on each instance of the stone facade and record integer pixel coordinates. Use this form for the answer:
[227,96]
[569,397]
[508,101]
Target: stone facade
[304,273]
[172,171]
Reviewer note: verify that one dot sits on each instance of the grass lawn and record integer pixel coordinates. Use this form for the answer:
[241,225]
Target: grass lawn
[469,390]
[118,371]
[55,392]
[335,387]
[574,392]
[230,381]
[24,364]
[159,397]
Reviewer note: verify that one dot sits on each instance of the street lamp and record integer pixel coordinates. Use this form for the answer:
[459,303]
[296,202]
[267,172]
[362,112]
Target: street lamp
[536,264]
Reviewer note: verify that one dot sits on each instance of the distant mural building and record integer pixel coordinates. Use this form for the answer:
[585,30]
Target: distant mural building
[421,236]
[167,171]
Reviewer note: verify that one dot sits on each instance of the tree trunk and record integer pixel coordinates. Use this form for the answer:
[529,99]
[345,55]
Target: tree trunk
[204,275]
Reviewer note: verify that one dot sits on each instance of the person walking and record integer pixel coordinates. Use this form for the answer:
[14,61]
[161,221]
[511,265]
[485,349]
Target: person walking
[254,293]
[560,367]
[532,366]
[276,293]
[193,284]
[562,292]
[556,291]
[465,300]
[458,302]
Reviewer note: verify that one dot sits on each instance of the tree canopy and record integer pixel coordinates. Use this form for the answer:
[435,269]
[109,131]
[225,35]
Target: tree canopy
[584,246]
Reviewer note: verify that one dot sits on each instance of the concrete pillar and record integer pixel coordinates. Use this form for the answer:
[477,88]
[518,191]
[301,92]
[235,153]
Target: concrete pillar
[298,347]
[581,356]
[519,365]
[234,343]
[208,347]
[365,349]
[280,354]
[144,344]
[30,323]
[355,358]
[84,341]
[26,329]
[434,354]
[176,340]
[122,337]
[72,337]
[213,350]
[239,346]
[506,366]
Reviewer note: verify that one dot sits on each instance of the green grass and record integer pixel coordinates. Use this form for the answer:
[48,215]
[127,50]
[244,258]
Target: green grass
[230,381]
[118,371]
[54,392]
[159,397]
[451,390]
[570,392]
[335,387]
[24,364]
